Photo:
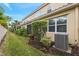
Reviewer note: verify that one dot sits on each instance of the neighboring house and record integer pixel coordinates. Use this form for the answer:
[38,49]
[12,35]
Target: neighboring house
[63,23]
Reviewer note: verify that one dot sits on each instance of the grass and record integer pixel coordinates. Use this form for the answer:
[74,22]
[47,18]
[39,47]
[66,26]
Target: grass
[18,46]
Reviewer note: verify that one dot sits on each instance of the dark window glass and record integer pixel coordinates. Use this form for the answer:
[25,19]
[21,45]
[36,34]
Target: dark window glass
[29,29]
[49,11]
[51,22]
[61,28]
[61,24]
[51,28]
[62,20]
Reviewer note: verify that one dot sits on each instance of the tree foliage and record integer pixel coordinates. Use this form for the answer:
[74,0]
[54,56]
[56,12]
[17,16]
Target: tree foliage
[3,18]
[39,28]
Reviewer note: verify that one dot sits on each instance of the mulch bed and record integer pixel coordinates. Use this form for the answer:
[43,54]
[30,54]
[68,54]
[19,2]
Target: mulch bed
[49,50]
[75,50]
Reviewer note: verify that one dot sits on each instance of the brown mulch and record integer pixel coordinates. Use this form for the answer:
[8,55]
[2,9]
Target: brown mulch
[49,50]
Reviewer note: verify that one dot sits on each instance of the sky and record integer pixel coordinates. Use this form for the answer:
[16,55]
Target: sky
[19,10]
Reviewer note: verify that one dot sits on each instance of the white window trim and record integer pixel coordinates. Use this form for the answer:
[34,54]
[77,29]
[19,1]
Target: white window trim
[56,27]
[47,25]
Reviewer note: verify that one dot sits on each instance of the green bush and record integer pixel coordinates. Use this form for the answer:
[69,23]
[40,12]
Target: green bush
[46,41]
[22,32]
[18,31]
[39,28]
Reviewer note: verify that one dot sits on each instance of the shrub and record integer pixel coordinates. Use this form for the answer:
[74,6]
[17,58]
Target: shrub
[46,41]
[22,32]
[18,31]
[39,28]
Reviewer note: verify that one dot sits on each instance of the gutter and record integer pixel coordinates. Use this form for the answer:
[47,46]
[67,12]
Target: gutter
[40,7]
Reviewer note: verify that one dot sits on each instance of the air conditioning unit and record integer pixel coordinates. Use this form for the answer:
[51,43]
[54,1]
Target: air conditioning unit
[61,41]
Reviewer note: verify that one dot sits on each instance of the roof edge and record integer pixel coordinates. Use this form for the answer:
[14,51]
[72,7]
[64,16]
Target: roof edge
[37,9]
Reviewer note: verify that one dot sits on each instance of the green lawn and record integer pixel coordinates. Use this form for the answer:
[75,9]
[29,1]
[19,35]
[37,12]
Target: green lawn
[17,46]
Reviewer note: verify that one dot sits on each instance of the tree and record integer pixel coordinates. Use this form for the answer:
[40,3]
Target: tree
[3,18]
[14,25]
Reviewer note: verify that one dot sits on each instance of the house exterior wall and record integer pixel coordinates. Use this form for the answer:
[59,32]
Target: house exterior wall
[43,11]
[78,25]
[72,25]
[72,22]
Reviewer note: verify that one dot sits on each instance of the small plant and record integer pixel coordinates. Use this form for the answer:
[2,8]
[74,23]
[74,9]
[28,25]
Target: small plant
[22,32]
[46,41]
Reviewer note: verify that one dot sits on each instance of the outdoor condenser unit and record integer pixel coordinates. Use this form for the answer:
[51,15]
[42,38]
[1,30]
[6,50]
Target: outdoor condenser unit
[61,41]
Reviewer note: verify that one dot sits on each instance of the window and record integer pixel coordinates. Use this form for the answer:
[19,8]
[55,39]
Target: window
[62,20]
[51,28]
[29,31]
[51,25]
[62,24]
[61,28]
[52,22]
[58,24]
[49,9]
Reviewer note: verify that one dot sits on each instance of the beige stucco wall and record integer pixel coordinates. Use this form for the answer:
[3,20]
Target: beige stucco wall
[57,5]
[50,35]
[72,25]
[72,22]
[78,24]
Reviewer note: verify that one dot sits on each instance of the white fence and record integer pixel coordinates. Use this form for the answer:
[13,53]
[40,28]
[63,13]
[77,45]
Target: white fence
[2,32]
